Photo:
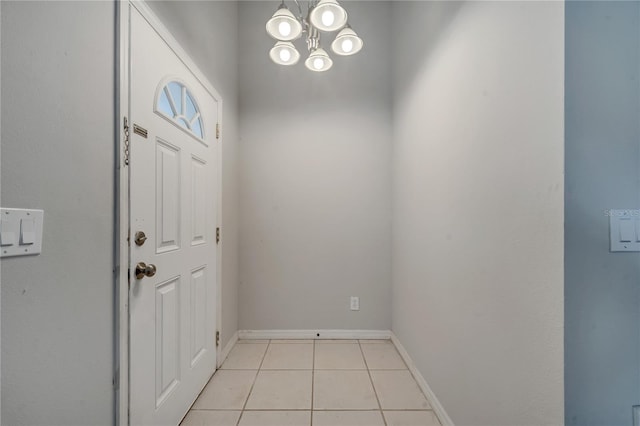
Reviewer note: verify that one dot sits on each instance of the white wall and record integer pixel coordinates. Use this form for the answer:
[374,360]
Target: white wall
[208,31]
[477,160]
[57,116]
[478,205]
[315,180]
[602,331]
[58,155]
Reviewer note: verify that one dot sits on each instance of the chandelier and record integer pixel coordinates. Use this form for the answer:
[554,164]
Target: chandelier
[322,16]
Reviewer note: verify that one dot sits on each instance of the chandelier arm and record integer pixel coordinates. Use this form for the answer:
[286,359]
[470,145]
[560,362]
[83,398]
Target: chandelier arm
[313,38]
[301,16]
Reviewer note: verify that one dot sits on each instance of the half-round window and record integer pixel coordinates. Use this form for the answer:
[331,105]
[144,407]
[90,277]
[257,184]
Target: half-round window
[175,102]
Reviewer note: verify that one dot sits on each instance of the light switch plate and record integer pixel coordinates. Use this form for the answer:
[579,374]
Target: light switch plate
[25,228]
[624,230]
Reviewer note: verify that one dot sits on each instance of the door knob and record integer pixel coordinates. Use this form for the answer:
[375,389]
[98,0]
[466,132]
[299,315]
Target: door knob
[142,270]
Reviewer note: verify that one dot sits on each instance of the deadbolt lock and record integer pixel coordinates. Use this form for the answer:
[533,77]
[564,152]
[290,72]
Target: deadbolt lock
[142,270]
[140,238]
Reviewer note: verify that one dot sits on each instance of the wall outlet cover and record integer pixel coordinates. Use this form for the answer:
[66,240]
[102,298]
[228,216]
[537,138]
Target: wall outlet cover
[355,303]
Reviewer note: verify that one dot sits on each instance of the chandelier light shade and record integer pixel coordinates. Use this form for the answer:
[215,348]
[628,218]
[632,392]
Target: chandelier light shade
[324,16]
[284,53]
[347,42]
[318,60]
[328,15]
[283,25]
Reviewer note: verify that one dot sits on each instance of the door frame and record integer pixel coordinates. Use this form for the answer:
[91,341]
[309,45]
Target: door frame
[122,254]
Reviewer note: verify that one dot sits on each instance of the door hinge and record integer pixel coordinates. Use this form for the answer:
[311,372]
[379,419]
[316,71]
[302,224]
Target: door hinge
[217,130]
[217,339]
[217,235]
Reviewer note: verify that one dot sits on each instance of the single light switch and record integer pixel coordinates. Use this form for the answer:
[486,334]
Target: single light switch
[7,235]
[624,230]
[27,232]
[627,230]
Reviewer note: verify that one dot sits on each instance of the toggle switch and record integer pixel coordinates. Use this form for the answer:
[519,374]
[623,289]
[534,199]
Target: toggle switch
[624,230]
[627,230]
[7,235]
[27,232]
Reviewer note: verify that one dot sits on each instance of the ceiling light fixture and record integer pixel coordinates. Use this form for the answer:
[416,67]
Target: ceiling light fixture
[284,53]
[322,15]
[318,60]
[347,42]
[283,25]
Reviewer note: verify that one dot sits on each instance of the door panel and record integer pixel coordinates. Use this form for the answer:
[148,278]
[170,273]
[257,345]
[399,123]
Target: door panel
[167,338]
[198,206]
[173,199]
[197,330]
[167,196]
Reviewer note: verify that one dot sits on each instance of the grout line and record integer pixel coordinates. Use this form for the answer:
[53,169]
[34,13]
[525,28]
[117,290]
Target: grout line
[338,369]
[389,369]
[215,371]
[269,369]
[216,409]
[425,390]
[316,369]
[264,355]
[199,394]
[418,410]
[375,392]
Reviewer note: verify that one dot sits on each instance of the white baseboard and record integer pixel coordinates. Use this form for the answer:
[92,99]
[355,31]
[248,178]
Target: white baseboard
[444,418]
[314,334]
[224,353]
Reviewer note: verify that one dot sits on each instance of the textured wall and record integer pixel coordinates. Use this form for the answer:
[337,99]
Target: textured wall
[602,98]
[315,180]
[478,205]
[57,121]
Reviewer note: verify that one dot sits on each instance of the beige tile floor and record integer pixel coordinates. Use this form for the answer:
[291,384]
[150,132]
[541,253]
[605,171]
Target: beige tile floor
[312,383]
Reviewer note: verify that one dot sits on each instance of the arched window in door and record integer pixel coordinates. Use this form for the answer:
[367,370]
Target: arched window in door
[175,102]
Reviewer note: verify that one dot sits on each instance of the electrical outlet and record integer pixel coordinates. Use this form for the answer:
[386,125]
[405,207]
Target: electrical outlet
[355,303]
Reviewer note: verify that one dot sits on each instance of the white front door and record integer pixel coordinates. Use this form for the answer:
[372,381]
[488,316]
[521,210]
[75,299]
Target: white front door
[173,200]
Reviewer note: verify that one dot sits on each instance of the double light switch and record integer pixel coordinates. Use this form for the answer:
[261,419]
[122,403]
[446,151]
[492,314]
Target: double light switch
[20,232]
